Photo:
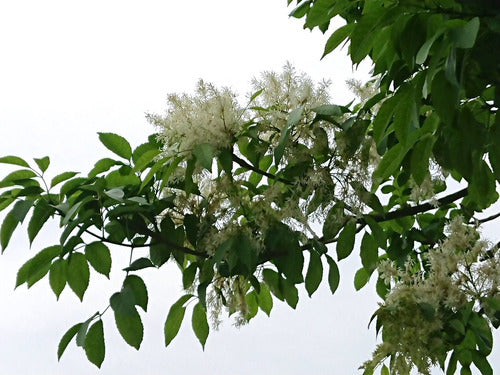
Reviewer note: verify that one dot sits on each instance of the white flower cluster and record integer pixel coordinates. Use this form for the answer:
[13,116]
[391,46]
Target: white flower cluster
[460,270]
[211,116]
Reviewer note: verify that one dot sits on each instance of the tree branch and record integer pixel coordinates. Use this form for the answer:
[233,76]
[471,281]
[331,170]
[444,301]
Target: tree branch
[244,164]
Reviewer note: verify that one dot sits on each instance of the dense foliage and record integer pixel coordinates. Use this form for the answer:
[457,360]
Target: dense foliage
[235,193]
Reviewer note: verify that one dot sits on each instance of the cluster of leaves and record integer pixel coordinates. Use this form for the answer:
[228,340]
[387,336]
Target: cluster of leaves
[250,241]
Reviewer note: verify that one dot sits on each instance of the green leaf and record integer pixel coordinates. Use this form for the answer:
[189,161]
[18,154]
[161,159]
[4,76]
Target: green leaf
[345,242]
[38,266]
[139,264]
[200,324]
[130,328]
[19,175]
[337,37]
[8,227]
[41,213]
[94,344]
[123,302]
[78,274]
[116,144]
[361,278]
[265,299]
[290,292]
[174,318]
[14,160]
[62,177]
[67,337]
[390,163]
[420,156]
[369,252]
[333,274]
[139,290]
[292,121]
[145,159]
[115,193]
[334,221]
[481,362]
[204,154]
[465,36]
[57,276]
[314,273]
[188,275]
[103,165]
[280,238]
[99,257]
[405,113]
[43,163]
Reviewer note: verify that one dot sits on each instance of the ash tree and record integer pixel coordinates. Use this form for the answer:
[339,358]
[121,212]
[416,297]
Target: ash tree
[253,199]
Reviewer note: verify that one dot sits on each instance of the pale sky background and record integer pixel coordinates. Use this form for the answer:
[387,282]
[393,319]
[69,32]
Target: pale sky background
[69,69]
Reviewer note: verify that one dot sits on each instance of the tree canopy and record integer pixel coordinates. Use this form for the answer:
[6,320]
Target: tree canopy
[252,199]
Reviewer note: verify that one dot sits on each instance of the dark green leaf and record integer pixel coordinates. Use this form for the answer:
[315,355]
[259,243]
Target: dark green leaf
[361,278]
[369,252]
[314,273]
[188,275]
[333,274]
[94,344]
[57,276]
[200,324]
[139,264]
[138,288]
[130,328]
[174,318]
[41,213]
[99,257]
[292,121]
[78,274]
[334,221]
[481,362]
[67,337]
[116,144]
[38,266]
[8,227]
[345,242]
[43,163]
[337,37]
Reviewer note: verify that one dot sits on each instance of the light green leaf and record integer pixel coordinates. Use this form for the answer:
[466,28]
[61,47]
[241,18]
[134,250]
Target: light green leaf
[14,160]
[265,299]
[200,324]
[204,155]
[99,257]
[62,177]
[174,318]
[292,121]
[78,274]
[57,276]
[116,144]
[390,163]
[465,36]
[115,193]
[145,159]
[333,274]
[94,344]
[345,242]
[67,337]
[19,175]
[314,273]
[103,165]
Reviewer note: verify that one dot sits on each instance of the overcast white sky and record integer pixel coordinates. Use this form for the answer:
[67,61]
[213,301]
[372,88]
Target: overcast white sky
[69,69]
